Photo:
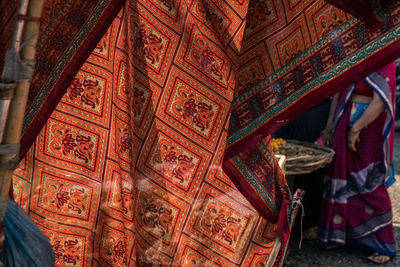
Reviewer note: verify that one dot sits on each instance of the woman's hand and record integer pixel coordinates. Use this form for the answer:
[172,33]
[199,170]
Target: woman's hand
[375,107]
[328,137]
[353,137]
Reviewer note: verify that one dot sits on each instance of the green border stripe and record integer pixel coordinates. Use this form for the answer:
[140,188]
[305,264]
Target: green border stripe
[347,63]
[260,189]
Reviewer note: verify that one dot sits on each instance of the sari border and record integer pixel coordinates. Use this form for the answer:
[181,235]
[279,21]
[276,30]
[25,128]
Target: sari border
[251,194]
[40,110]
[304,97]
[373,81]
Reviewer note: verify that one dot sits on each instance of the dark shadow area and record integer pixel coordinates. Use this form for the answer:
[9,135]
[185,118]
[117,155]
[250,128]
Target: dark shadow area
[307,128]
[311,254]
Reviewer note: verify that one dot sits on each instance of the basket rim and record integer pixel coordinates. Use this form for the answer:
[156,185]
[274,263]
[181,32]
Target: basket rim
[321,152]
[310,145]
[306,163]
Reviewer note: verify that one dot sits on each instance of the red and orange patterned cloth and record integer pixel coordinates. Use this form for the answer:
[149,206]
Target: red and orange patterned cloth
[127,170]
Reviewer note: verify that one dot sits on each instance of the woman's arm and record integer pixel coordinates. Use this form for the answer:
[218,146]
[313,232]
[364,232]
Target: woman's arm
[332,111]
[375,107]
[327,132]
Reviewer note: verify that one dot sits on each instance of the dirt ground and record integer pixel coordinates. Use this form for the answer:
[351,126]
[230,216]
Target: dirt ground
[311,254]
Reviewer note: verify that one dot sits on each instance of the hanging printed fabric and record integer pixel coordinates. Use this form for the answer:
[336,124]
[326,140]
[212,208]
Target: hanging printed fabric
[146,138]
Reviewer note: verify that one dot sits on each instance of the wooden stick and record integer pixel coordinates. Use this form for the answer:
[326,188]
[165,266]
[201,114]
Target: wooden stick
[12,131]
[274,252]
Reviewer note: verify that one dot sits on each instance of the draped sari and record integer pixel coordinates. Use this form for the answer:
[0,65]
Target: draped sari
[356,207]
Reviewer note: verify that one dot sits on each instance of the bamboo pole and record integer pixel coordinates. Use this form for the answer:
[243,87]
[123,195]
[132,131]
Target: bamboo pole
[13,128]
[274,252]
[8,76]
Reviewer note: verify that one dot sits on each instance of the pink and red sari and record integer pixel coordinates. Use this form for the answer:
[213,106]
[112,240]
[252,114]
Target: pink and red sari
[356,207]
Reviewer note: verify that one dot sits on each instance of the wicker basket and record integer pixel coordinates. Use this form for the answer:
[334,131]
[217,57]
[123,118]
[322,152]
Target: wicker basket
[304,157]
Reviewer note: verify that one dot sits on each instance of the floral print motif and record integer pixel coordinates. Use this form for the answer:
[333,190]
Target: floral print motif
[204,57]
[292,49]
[212,15]
[147,43]
[67,198]
[66,250]
[173,162]
[221,223]
[84,148]
[71,144]
[122,196]
[114,247]
[193,109]
[249,76]
[134,93]
[125,142]
[329,21]
[154,215]
[69,252]
[137,100]
[85,93]
[258,13]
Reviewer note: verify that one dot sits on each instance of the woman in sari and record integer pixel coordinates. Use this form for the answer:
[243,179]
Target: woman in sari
[356,207]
